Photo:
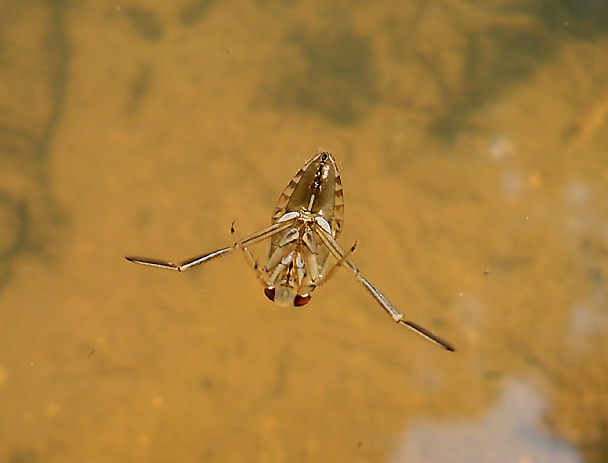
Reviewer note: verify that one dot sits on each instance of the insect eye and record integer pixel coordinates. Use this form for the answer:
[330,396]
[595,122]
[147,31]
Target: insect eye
[269,293]
[299,301]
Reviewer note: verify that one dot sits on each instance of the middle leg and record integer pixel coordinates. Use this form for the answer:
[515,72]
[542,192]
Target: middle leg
[249,257]
[322,279]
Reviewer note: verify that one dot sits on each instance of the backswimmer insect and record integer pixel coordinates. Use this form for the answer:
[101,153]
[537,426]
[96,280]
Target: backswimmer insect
[305,224]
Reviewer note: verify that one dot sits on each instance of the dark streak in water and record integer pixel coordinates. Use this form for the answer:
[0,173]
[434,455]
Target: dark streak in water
[139,88]
[337,61]
[145,22]
[16,141]
[59,48]
[27,143]
[194,12]
[23,456]
[21,221]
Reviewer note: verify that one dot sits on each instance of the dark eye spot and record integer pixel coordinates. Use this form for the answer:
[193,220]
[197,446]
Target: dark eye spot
[299,301]
[269,293]
[324,157]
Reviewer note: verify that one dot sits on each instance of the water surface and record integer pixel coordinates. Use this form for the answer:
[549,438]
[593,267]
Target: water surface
[472,143]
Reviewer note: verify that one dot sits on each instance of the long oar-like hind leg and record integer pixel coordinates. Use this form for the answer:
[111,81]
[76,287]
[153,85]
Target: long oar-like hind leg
[398,316]
[182,267]
[260,235]
[387,305]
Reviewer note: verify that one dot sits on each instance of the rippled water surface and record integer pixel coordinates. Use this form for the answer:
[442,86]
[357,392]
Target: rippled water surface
[472,141]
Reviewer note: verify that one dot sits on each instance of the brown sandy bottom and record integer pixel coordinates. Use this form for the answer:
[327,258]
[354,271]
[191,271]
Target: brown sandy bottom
[471,139]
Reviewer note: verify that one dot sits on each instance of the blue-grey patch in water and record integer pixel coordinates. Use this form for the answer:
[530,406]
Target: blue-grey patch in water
[510,432]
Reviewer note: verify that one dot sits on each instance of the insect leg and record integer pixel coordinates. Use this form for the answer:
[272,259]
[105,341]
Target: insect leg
[255,237]
[387,305]
[251,260]
[182,267]
[325,278]
[398,316]
[267,232]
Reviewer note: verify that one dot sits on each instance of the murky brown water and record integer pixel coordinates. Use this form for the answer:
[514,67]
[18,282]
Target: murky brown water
[472,142]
